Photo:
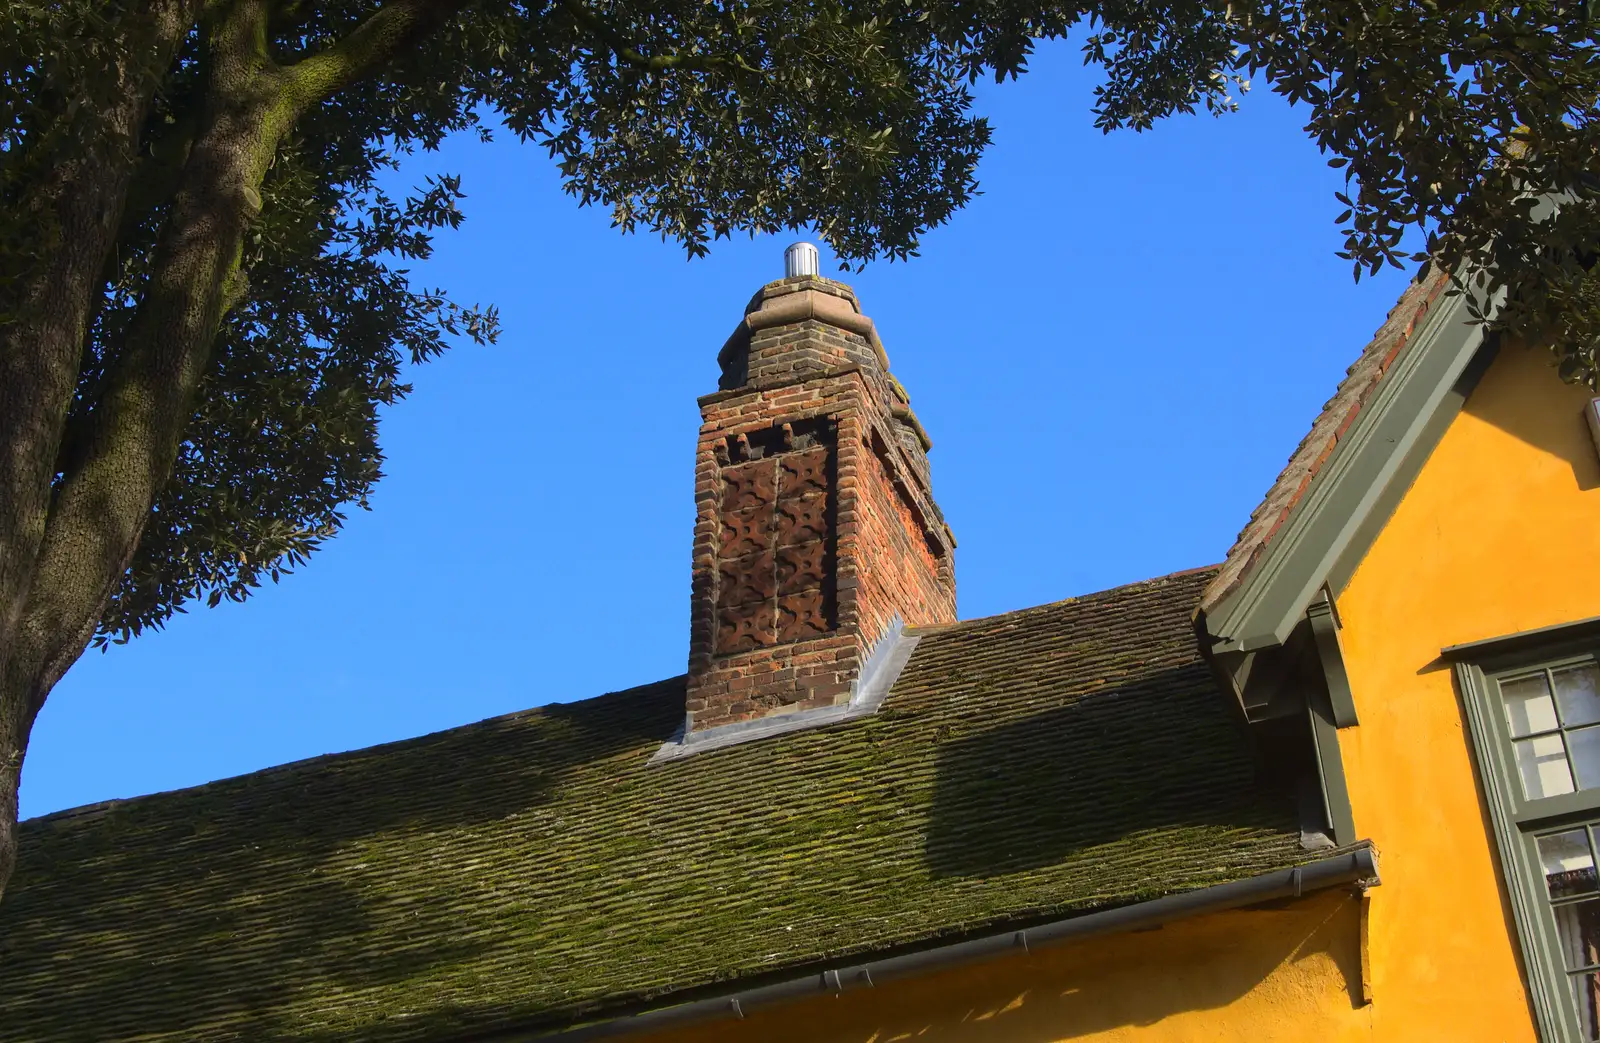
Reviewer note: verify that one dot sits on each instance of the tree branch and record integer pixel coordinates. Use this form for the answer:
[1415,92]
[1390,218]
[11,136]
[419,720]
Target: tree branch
[393,28]
[155,178]
[653,63]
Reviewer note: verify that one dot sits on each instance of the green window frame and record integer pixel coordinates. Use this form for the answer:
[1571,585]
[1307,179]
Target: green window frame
[1532,704]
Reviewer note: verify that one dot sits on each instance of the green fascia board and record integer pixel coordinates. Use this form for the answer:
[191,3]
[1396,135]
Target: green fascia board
[1410,466]
[1409,412]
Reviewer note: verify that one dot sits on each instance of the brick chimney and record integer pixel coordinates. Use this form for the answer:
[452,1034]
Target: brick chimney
[816,533]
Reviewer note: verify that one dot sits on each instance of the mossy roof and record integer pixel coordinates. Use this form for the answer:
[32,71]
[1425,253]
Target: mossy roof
[532,870]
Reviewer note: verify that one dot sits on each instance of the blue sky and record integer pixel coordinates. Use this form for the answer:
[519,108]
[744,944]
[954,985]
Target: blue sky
[1115,348]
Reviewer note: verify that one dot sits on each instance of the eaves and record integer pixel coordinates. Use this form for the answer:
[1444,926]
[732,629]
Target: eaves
[1356,867]
[1350,498]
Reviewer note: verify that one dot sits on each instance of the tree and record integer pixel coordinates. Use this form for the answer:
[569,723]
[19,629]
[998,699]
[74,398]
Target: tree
[201,299]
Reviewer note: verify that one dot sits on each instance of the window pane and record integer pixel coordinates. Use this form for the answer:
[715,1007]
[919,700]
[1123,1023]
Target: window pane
[1568,864]
[1584,747]
[1586,990]
[1575,689]
[1579,925]
[1529,708]
[1543,764]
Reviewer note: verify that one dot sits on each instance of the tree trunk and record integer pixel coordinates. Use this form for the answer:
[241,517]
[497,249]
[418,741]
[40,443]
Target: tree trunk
[83,532]
[19,705]
[74,208]
[66,539]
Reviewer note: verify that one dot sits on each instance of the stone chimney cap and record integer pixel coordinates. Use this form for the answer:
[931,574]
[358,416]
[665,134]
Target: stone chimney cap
[801,259]
[797,302]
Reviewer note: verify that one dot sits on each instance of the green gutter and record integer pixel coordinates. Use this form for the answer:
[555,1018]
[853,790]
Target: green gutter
[1358,866]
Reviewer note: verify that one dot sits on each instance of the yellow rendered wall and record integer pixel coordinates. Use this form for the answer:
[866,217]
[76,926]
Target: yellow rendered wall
[1499,533]
[1289,972]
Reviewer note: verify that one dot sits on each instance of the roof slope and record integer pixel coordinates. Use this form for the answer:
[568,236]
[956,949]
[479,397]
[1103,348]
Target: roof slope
[531,869]
[1355,391]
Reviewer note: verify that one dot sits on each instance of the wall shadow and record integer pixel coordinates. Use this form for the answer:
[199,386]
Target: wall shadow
[218,909]
[1157,756]
[1522,395]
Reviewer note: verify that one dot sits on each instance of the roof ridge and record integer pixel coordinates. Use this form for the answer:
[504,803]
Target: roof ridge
[96,808]
[1106,593]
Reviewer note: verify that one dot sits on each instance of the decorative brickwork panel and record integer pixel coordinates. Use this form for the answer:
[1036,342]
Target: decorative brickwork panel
[750,485]
[802,566]
[802,615]
[802,521]
[804,473]
[774,557]
[748,580]
[743,627]
[747,532]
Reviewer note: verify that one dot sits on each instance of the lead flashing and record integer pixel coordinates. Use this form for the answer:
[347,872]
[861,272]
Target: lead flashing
[878,674]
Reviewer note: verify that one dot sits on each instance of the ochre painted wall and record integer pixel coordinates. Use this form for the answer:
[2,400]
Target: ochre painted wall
[1287,972]
[1499,533]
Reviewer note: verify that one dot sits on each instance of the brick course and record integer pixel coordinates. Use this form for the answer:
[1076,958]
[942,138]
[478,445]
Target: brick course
[815,526]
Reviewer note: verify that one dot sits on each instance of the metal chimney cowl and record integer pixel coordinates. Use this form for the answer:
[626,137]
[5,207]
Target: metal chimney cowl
[801,259]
